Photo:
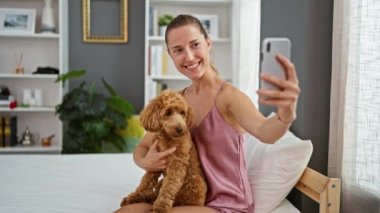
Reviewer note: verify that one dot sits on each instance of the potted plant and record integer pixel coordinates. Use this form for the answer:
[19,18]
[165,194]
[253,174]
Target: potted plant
[133,133]
[163,22]
[91,118]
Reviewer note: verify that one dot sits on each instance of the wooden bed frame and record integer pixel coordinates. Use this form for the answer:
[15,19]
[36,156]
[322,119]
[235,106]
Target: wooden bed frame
[322,189]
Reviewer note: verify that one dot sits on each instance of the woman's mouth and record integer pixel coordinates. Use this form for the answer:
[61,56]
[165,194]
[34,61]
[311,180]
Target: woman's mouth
[192,66]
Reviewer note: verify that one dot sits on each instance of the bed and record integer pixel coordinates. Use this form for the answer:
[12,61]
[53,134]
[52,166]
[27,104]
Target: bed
[97,183]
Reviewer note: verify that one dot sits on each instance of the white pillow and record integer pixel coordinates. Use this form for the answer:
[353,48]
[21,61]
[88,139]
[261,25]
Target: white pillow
[274,169]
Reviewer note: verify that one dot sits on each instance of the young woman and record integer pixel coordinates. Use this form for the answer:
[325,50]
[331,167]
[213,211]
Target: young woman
[222,114]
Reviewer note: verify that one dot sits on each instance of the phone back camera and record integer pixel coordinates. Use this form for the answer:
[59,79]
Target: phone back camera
[268,47]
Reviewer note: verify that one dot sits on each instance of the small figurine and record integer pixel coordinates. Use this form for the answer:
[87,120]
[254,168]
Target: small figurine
[47,141]
[27,138]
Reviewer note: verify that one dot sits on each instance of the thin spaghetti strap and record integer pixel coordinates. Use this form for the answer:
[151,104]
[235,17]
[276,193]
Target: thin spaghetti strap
[220,89]
[183,92]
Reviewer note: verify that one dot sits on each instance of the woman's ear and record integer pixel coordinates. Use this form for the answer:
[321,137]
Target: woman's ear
[149,116]
[209,43]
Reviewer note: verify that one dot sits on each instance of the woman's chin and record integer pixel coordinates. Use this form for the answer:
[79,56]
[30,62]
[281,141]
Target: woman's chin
[194,75]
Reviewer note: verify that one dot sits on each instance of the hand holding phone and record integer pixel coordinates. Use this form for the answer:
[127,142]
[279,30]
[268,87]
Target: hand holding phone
[279,85]
[269,64]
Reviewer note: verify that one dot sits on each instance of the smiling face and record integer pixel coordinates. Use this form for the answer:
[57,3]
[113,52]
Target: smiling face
[189,50]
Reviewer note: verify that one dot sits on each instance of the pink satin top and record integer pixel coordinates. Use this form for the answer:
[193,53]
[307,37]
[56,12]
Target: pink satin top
[221,152]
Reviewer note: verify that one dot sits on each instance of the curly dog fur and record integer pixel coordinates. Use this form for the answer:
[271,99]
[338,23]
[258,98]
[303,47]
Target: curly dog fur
[183,183]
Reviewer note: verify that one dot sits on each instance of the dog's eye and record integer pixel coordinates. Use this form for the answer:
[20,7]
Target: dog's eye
[168,112]
[183,113]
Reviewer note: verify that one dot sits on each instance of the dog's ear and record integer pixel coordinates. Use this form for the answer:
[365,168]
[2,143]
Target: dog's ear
[189,117]
[150,115]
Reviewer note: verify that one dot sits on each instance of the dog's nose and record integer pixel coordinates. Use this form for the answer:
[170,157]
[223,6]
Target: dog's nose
[178,129]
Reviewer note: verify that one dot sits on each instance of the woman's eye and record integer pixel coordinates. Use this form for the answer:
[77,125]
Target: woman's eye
[177,51]
[196,44]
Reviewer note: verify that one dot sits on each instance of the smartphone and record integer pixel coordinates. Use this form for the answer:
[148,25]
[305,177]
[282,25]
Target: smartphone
[269,65]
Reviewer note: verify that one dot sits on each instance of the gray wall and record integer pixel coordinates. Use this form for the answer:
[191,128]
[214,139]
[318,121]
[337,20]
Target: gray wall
[308,24]
[122,65]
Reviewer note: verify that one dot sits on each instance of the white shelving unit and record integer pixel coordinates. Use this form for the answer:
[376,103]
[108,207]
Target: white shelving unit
[221,53]
[39,50]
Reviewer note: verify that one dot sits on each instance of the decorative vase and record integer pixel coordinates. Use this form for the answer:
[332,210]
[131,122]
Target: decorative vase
[163,30]
[47,19]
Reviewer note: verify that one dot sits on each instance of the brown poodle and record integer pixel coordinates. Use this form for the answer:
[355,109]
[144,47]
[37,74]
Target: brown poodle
[169,116]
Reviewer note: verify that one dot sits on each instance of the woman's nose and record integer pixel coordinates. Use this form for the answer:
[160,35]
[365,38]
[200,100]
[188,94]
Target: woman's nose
[189,55]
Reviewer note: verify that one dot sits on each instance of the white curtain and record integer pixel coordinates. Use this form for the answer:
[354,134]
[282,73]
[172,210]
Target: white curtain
[246,49]
[354,150]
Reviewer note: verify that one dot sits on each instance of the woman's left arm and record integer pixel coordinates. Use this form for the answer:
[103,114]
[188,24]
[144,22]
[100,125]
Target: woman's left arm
[271,129]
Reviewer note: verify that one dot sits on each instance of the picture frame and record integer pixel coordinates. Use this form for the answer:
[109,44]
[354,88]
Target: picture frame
[17,21]
[210,23]
[91,22]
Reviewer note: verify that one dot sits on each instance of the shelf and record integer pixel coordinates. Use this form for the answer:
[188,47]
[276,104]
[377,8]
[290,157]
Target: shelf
[21,149]
[28,76]
[168,77]
[39,49]
[192,2]
[28,109]
[33,35]
[215,40]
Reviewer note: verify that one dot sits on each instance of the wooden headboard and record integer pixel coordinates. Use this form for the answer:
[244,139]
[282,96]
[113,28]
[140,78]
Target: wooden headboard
[322,189]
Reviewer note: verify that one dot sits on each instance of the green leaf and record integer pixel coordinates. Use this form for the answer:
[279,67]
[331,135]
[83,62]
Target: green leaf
[109,88]
[69,75]
[120,104]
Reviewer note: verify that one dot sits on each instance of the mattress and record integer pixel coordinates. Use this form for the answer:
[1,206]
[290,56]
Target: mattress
[71,183]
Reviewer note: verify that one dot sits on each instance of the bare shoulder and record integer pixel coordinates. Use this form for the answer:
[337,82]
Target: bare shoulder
[230,94]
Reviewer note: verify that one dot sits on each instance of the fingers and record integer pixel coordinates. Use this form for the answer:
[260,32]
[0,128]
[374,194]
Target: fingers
[288,67]
[277,94]
[160,165]
[283,84]
[160,155]
[276,102]
[289,91]
[154,146]
[156,161]
[166,153]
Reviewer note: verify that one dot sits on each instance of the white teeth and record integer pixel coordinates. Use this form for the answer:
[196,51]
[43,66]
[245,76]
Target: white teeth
[192,66]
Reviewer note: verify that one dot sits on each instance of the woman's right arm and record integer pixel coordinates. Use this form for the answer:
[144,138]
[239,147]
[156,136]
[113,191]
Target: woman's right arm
[147,157]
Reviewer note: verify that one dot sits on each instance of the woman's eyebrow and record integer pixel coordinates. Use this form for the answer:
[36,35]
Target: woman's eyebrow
[178,46]
[193,41]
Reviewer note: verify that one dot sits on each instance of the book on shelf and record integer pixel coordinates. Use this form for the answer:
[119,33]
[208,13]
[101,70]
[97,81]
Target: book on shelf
[155,88]
[8,131]
[153,21]
[158,60]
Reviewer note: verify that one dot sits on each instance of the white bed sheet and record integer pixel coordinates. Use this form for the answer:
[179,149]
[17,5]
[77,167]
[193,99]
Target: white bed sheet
[71,183]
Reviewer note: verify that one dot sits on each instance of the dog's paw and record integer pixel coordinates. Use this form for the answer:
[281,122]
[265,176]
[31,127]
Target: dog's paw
[160,208]
[133,198]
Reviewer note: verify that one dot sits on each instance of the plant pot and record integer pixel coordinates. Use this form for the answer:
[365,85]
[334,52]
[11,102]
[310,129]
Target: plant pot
[163,30]
[129,145]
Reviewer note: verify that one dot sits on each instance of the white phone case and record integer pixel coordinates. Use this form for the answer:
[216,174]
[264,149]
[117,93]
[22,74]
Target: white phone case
[269,65]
